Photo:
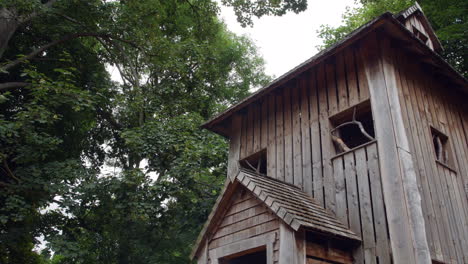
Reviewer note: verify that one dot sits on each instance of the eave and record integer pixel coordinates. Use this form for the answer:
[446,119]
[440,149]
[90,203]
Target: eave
[386,21]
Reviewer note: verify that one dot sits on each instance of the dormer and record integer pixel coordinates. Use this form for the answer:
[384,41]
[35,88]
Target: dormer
[415,21]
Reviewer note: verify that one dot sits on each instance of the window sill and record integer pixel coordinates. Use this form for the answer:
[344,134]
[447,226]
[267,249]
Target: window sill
[354,149]
[446,166]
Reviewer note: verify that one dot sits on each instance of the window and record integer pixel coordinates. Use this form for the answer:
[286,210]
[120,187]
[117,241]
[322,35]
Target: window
[442,150]
[258,257]
[420,35]
[352,128]
[322,249]
[256,162]
[258,249]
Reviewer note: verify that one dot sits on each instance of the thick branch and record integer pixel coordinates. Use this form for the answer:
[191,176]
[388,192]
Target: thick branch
[11,85]
[360,126]
[9,172]
[340,143]
[59,41]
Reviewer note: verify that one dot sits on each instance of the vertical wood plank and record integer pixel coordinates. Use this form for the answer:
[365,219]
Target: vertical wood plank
[288,140]
[380,218]
[264,126]
[365,207]
[353,202]
[331,86]
[361,76]
[234,147]
[287,245]
[315,140]
[296,134]
[324,87]
[409,179]
[399,228]
[343,102]
[351,77]
[257,126]
[250,130]
[272,144]
[340,190]
[279,137]
[305,134]
[244,136]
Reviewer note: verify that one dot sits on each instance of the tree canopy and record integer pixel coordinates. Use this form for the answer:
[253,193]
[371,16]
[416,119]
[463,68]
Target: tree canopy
[447,17]
[116,172]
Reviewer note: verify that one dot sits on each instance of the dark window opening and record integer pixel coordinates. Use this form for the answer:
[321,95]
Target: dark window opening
[251,258]
[441,147]
[420,35]
[256,162]
[352,128]
[323,249]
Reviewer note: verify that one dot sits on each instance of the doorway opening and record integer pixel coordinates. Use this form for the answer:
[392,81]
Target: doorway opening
[257,257]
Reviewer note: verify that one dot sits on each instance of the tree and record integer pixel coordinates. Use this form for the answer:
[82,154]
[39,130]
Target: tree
[62,120]
[448,18]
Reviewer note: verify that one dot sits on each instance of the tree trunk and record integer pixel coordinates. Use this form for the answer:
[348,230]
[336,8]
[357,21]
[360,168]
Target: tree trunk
[10,22]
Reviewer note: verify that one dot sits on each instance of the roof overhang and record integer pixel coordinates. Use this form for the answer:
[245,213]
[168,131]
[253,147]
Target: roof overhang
[386,21]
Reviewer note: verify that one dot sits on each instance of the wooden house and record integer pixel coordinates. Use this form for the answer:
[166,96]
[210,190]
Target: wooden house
[358,155]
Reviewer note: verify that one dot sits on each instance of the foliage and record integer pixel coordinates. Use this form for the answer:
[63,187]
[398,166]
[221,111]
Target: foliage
[115,172]
[245,10]
[448,18]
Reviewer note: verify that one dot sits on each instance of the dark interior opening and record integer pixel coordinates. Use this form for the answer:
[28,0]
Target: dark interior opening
[420,35]
[441,147]
[256,162]
[352,128]
[252,258]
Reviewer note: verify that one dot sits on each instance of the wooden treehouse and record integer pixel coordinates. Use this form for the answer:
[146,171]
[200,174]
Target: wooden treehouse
[358,155]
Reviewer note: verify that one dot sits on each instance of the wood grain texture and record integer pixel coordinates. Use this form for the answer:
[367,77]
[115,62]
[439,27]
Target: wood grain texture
[398,219]
[234,147]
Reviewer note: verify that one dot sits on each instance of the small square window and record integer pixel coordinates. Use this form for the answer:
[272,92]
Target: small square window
[352,128]
[441,145]
[420,35]
[256,162]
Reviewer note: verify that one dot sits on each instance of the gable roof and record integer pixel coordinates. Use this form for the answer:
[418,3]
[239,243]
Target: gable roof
[386,20]
[289,203]
[416,10]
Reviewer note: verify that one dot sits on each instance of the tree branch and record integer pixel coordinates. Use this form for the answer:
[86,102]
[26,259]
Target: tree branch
[9,172]
[59,41]
[11,85]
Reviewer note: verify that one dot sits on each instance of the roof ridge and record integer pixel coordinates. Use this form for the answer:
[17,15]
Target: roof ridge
[253,173]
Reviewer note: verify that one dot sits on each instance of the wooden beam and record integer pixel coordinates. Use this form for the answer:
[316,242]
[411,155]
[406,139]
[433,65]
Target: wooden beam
[234,147]
[393,174]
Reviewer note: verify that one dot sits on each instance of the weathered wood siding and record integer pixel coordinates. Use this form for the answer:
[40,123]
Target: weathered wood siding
[293,125]
[427,101]
[246,217]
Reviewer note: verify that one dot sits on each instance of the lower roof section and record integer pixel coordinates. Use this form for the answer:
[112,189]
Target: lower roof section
[287,202]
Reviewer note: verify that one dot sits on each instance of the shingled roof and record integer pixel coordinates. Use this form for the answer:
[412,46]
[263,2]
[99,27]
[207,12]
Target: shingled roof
[288,202]
[296,208]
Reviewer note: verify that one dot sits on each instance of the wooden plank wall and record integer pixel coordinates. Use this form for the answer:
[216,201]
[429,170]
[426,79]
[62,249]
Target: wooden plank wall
[293,125]
[361,204]
[246,217]
[427,102]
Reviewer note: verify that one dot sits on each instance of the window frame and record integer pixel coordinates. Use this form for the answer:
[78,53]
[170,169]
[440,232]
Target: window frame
[237,248]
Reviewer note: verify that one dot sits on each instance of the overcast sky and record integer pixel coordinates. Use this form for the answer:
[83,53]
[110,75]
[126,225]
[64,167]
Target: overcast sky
[286,41]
